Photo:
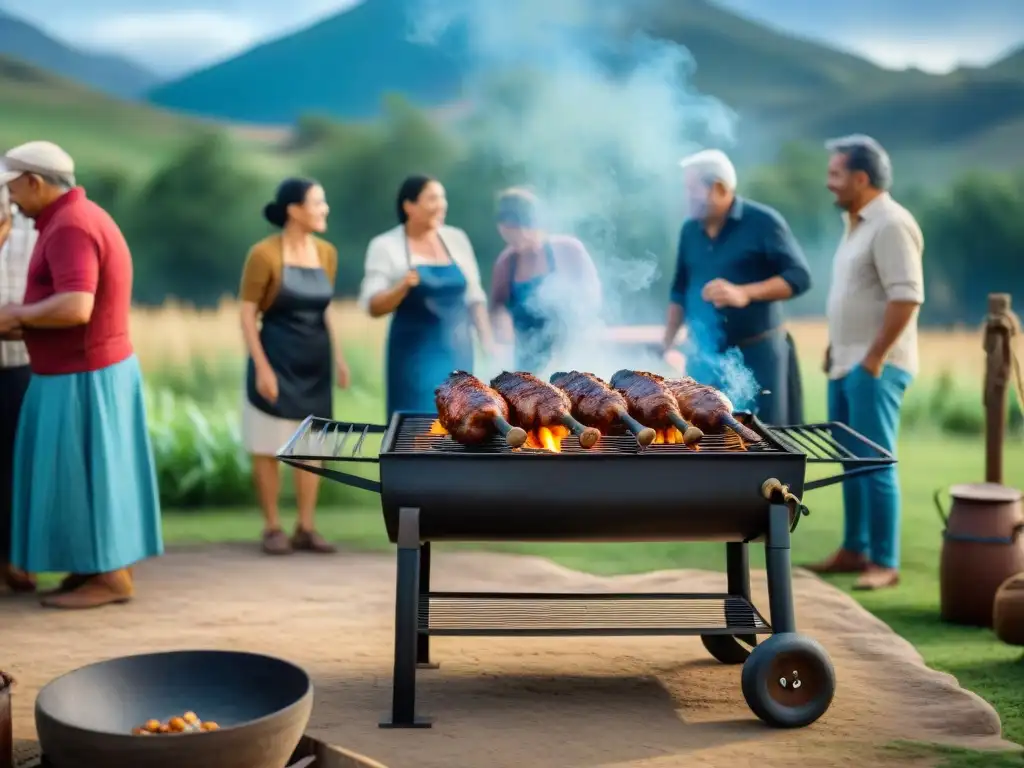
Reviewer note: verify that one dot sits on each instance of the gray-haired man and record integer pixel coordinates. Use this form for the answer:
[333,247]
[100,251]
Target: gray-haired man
[877,289]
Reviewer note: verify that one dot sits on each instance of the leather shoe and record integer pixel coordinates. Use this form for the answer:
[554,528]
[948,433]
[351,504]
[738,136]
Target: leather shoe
[17,580]
[877,577]
[840,561]
[99,590]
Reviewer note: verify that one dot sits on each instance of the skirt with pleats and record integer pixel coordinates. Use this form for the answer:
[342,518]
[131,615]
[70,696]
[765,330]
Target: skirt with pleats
[85,491]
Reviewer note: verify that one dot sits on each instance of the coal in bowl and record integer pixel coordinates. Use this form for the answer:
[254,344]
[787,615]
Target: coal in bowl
[261,706]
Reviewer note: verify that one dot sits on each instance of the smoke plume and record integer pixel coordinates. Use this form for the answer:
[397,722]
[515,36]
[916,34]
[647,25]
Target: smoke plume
[594,118]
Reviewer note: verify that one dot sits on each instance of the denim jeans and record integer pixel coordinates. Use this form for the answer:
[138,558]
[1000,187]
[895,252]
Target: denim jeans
[871,407]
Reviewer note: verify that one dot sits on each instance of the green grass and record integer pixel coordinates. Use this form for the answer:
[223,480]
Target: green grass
[981,663]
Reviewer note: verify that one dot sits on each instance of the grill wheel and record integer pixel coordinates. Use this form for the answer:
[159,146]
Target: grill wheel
[727,649]
[788,681]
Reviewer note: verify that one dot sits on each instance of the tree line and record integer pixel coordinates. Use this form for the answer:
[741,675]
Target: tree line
[191,223]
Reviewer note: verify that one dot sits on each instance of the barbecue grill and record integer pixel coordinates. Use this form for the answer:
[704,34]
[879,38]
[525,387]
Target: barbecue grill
[434,489]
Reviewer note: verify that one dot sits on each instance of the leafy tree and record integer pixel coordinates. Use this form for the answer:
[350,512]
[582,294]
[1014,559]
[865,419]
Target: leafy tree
[193,223]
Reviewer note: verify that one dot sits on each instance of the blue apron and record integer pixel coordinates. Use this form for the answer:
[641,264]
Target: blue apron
[536,330]
[428,339]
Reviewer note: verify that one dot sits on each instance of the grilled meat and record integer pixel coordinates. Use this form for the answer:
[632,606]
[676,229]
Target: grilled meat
[707,408]
[533,403]
[651,403]
[471,412]
[597,405]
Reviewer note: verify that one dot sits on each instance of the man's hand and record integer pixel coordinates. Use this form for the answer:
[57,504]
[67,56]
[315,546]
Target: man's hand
[9,321]
[873,364]
[722,293]
[675,359]
[343,373]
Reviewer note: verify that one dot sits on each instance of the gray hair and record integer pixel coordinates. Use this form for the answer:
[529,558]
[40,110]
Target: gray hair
[64,182]
[5,203]
[863,153]
[712,165]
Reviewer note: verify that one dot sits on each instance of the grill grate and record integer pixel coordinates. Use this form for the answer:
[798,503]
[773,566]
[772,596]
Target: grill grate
[494,614]
[325,440]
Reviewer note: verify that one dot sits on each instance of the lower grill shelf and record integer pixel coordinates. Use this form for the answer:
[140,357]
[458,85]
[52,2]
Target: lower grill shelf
[481,614]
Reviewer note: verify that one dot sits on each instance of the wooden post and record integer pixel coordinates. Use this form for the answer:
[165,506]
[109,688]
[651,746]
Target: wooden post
[1000,328]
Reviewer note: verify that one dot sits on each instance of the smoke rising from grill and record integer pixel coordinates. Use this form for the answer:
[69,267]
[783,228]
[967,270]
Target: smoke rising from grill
[595,122]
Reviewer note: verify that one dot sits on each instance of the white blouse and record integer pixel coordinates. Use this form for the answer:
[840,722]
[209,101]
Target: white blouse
[387,261]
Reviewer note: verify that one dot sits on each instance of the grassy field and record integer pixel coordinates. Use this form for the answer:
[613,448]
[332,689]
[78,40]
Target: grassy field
[199,353]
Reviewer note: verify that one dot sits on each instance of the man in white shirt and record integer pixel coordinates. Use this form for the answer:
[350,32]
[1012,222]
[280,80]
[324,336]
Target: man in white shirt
[17,239]
[877,289]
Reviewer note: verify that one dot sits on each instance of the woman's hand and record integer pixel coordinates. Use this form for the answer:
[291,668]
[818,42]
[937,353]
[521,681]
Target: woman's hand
[266,384]
[343,373]
[411,279]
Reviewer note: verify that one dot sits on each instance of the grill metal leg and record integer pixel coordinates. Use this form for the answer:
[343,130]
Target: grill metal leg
[737,571]
[407,589]
[780,575]
[423,638]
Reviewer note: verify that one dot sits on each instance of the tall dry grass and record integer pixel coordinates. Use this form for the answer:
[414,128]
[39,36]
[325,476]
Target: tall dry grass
[175,335]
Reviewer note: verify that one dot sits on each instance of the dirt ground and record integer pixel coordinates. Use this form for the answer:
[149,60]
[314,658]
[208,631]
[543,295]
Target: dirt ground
[543,703]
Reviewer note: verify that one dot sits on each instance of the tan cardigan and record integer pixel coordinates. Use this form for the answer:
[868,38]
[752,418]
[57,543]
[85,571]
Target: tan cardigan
[261,276]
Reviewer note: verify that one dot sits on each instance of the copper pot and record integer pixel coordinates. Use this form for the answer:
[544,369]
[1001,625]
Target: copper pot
[6,726]
[982,547]
[1008,611]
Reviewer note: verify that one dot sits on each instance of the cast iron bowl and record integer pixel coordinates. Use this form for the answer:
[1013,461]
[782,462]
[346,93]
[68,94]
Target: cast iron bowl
[262,705]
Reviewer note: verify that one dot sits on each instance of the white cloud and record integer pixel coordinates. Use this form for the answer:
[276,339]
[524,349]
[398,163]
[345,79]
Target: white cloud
[172,40]
[931,55]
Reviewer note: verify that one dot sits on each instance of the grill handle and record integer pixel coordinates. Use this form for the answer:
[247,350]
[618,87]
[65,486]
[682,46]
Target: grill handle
[777,492]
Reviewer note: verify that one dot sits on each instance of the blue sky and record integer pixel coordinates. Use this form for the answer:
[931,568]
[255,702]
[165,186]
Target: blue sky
[172,36]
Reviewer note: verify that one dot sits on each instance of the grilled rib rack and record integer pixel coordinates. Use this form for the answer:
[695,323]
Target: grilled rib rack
[434,489]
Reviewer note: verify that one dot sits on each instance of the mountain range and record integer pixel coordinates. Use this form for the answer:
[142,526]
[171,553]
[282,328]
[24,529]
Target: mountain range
[110,74]
[782,86]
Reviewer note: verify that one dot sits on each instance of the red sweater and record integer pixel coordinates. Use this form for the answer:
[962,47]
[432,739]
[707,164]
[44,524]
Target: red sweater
[80,249]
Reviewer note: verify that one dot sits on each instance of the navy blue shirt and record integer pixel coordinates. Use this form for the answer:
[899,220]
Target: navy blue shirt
[755,244]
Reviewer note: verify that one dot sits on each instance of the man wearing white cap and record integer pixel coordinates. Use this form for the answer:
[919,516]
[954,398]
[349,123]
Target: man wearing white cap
[85,494]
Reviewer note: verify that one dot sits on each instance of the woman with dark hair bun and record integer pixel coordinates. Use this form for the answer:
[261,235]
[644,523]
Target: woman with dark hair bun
[425,275]
[286,291]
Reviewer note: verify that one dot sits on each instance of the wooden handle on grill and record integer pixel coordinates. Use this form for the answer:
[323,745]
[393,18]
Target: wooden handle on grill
[588,435]
[514,436]
[644,435]
[745,433]
[691,434]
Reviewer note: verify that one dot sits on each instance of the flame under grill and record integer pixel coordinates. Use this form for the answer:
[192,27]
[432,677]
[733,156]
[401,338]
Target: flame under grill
[418,434]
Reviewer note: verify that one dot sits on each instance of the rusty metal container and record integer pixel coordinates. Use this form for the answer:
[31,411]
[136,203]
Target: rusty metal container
[982,547]
[6,726]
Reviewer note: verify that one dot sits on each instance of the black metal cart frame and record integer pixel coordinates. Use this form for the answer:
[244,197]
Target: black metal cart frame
[720,619]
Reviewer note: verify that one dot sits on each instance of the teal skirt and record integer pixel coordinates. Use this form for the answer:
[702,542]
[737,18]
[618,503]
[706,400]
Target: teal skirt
[85,491]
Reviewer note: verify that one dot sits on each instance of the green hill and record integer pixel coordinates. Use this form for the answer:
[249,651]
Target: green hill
[100,131]
[109,74]
[339,67]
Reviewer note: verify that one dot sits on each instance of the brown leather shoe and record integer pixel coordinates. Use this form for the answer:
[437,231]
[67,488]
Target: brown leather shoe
[877,577]
[97,591]
[70,583]
[840,561]
[311,541]
[276,542]
[18,580]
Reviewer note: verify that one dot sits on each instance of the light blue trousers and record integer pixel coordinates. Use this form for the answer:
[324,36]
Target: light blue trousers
[871,407]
